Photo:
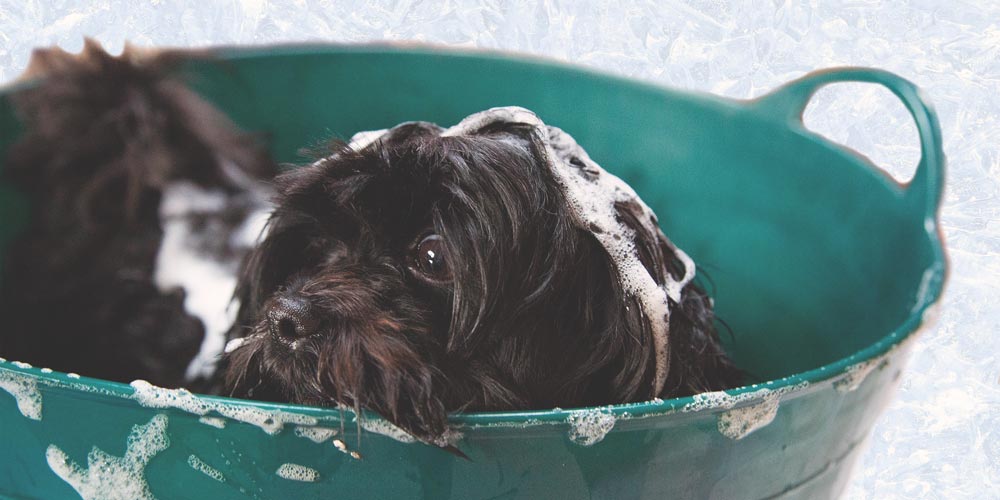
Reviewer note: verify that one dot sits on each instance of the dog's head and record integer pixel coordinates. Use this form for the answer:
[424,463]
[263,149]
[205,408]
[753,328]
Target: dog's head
[490,266]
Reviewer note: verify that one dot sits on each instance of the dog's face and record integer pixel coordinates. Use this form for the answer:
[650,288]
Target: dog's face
[427,273]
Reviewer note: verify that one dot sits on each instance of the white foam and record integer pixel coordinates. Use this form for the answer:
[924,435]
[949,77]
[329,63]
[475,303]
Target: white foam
[270,421]
[200,466]
[592,194]
[296,472]
[234,344]
[588,427]
[753,410]
[217,422]
[46,370]
[361,139]
[449,438]
[857,373]
[740,422]
[114,478]
[386,428]
[21,365]
[24,388]
[72,375]
[316,434]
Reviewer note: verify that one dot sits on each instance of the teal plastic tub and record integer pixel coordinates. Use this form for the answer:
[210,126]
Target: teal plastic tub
[824,268]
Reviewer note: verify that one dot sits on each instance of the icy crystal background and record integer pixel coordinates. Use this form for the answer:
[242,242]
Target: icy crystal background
[941,436]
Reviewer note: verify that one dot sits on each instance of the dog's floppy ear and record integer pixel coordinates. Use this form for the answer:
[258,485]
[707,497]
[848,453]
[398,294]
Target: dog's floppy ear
[627,350]
[697,362]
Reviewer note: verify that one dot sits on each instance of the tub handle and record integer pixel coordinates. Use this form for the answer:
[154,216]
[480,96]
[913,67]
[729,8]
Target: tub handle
[789,101]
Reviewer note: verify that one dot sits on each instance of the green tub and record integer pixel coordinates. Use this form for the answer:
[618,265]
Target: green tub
[824,267]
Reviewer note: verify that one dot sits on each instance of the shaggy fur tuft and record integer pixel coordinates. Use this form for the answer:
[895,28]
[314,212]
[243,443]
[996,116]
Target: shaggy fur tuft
[104,137]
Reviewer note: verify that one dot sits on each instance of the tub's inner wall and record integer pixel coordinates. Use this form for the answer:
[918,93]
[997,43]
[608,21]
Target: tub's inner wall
[811,255]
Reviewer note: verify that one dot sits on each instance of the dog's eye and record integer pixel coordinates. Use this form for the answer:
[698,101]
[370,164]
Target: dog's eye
[430,259]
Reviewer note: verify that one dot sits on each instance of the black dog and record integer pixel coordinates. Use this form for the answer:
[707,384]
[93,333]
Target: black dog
[142,200]
[416,272]
[490,266]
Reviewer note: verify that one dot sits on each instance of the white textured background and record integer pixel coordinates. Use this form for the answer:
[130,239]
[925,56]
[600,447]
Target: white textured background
[941,436]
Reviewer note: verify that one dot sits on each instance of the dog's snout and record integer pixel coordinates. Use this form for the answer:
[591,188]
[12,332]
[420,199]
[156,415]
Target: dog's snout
[291,318]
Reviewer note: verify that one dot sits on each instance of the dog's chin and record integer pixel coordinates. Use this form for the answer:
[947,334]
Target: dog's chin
[358,369]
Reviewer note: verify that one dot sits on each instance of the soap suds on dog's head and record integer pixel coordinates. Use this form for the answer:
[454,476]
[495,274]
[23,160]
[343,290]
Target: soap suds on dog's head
[593,195]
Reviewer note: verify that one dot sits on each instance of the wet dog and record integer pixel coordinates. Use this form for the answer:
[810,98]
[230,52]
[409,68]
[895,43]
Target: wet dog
[421,271]
[414,272]
[143,200]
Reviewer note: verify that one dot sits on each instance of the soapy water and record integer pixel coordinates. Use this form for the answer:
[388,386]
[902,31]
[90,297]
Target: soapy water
[217,422]
[588,427]
[295,472]
[200,466]
[740,422]
[108,477]
[316,434]
[856,374]
[270,421]
[386,428]
[24,389]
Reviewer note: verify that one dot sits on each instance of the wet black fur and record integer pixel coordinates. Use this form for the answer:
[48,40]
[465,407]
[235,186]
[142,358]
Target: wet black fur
[534,318]
[103,136]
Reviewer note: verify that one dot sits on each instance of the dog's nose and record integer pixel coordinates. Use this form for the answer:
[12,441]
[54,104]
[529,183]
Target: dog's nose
[291,318]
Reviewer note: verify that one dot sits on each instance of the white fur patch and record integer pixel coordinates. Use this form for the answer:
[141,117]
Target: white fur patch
[208,280]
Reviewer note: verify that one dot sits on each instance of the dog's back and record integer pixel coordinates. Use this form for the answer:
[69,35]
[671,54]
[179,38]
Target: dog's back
[105,138]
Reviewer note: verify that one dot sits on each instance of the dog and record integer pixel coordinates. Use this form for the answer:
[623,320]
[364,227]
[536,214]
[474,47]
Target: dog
[413,272]
[143,200]
[420,271]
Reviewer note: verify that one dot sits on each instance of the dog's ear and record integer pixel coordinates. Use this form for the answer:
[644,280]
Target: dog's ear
[626,350]
[697,361]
